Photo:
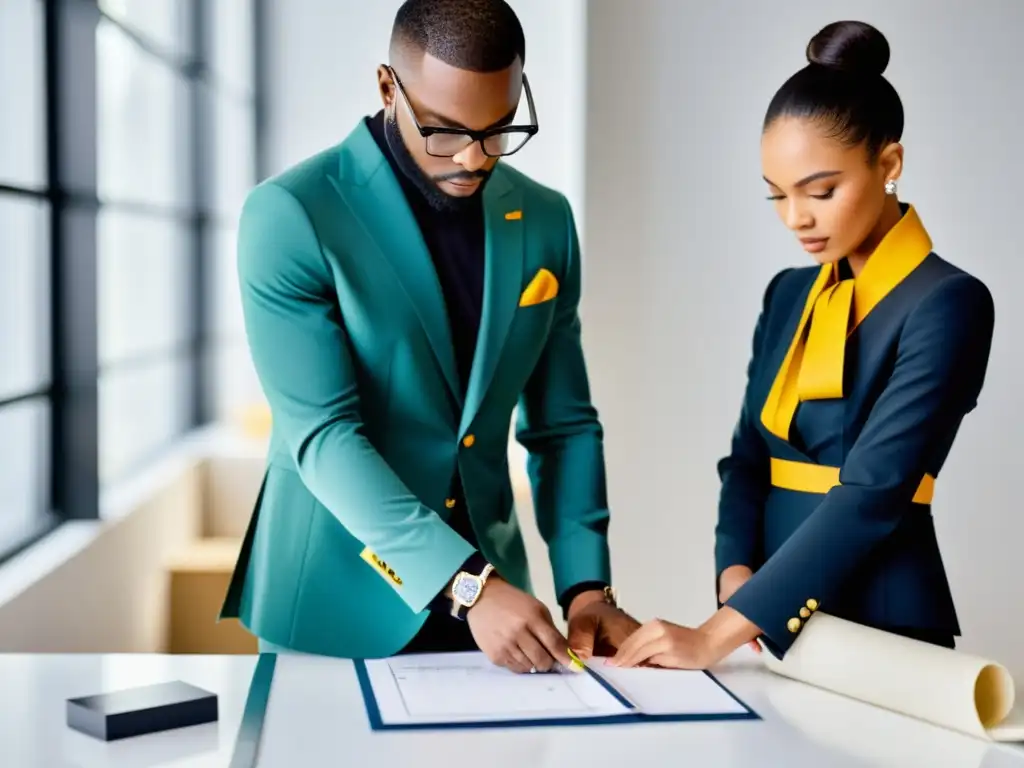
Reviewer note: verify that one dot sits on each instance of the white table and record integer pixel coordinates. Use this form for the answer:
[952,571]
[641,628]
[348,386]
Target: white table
[316,718]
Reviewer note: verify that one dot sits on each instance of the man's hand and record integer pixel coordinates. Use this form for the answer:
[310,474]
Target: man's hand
[596,627]
[734,577]
[515,630]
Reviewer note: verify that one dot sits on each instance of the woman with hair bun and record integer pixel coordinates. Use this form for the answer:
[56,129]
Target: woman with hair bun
[862,370]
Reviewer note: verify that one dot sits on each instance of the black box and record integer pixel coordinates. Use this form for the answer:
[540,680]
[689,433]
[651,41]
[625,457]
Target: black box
[137,711]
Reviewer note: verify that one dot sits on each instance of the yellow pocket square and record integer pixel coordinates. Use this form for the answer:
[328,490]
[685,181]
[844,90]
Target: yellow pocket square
[543,287]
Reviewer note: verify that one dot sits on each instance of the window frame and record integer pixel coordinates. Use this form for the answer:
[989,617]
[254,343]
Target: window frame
[70,82]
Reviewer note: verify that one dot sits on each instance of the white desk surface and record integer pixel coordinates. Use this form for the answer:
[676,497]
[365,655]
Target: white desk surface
[316,718]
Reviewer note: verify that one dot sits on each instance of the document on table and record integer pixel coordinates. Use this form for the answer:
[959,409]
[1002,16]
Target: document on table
[467,690]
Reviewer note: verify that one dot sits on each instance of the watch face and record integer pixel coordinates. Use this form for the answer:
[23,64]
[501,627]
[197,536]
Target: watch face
[466,589]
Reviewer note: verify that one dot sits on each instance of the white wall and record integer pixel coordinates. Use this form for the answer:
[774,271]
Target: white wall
[679,241]
[682,243]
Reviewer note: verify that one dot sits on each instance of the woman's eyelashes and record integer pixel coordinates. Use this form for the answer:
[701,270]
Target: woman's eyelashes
[824,196]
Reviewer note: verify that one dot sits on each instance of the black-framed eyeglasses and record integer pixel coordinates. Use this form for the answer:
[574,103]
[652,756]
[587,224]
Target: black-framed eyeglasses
[500,141]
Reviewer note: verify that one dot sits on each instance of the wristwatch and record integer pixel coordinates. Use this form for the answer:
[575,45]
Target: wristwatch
[466,589]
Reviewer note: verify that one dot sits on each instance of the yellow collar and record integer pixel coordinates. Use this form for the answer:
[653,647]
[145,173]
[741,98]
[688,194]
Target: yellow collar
[813,366]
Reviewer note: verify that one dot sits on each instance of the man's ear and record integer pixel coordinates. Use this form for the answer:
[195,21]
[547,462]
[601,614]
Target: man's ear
[386,86]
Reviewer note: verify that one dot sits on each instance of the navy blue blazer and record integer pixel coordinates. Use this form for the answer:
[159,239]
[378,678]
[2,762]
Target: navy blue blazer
[863,549]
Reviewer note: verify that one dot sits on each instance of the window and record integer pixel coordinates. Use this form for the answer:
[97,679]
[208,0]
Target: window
[231,27]
[119,194]
[175,159]
[234,388]
[24,296]
[143,283]
[22,94]
[231,384]
[224,298]
[143,124]
[24,469]
[25,337]
[145,230]
[234,172]
[142,408]
[167,23]
[144,330]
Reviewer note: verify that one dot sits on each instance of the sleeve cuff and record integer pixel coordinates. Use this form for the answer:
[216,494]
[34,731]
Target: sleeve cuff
[566,598]
[779,627]
[578,557]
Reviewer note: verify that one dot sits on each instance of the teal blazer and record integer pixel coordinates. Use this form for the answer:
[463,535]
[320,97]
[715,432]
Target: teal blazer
[347,329]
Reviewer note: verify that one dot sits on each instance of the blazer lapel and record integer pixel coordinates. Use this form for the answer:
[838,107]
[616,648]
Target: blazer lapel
[378,201]
[503,276]
[774,359]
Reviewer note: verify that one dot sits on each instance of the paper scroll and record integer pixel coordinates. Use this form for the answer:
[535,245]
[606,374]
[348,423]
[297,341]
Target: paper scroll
[949,688]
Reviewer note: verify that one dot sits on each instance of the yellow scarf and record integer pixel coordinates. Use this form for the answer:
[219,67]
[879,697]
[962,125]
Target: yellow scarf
[813,366]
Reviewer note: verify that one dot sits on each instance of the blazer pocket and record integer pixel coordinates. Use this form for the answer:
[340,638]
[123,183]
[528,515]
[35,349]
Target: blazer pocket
[543,287]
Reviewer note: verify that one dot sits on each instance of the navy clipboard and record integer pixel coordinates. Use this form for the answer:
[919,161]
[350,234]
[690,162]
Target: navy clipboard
[632,716]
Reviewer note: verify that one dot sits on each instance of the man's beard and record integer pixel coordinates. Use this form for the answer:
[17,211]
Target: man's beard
[434,196]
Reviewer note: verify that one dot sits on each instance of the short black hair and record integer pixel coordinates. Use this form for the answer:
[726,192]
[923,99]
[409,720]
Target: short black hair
[477,35]
[843,87]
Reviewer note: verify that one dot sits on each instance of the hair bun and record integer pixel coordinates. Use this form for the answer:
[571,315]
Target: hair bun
[851,46]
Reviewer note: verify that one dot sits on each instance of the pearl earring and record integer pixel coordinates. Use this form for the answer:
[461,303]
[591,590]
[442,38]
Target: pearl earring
[890,187]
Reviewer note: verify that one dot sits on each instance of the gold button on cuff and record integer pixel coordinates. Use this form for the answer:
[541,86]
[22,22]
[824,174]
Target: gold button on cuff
[804,613]
[468,441]
[449,503]
[812,604]
[793,625]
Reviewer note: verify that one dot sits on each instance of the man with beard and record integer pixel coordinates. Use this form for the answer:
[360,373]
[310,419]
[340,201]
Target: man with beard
[403,292]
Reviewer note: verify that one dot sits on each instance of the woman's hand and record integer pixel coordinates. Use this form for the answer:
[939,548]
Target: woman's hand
[664,644]
[734,577]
